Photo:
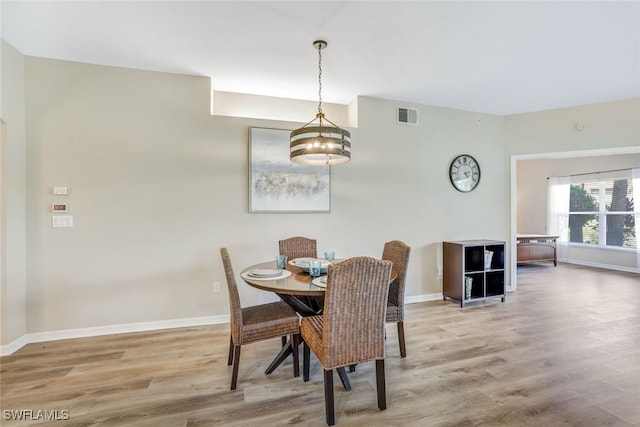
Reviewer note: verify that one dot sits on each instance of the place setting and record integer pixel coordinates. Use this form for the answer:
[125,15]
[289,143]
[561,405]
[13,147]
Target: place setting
[266,274]
[314,266]
[320,282]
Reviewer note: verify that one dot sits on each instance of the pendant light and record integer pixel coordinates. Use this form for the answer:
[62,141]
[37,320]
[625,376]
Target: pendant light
[317,143]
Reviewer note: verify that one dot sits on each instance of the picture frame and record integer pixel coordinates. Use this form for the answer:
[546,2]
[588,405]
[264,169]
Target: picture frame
[276,184]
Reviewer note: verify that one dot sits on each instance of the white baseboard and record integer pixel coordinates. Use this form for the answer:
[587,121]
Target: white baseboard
[605,266]
[65,334]
[423,298]
[14,346]
[17,344]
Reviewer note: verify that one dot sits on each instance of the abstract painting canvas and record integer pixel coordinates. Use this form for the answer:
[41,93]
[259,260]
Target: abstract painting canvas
[276,184]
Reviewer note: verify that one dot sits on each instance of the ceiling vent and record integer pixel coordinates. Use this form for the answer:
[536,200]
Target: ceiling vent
[407,116]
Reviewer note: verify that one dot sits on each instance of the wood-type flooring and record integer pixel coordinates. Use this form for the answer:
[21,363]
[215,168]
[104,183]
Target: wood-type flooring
[564,350]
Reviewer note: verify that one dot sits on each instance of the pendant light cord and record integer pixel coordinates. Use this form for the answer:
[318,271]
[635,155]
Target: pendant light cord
[320,82]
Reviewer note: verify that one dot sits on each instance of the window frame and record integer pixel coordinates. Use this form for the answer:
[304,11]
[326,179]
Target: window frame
[602,211]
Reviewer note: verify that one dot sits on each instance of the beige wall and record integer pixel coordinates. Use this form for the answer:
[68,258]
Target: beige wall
[607,125]
[12,203]
[271,108]
[397,186]
[159,185]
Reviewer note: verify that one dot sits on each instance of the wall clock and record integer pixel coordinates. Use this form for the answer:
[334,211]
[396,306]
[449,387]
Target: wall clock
[464,173]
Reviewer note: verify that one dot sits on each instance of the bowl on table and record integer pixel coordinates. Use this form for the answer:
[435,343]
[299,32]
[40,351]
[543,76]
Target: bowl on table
[303,264]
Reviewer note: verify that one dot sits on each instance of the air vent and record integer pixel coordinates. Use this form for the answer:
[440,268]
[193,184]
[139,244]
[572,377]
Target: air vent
[407,116]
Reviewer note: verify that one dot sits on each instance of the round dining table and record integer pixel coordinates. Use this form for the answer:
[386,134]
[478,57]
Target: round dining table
[297,290]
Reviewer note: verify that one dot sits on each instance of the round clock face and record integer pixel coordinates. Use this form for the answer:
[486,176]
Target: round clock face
[464,173]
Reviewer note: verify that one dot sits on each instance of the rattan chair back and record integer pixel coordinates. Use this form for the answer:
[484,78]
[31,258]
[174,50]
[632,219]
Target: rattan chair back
[298,247]
[235,308]
[354,311]
[398,253]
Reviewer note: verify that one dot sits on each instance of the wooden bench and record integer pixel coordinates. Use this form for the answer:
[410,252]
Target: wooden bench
[535,248]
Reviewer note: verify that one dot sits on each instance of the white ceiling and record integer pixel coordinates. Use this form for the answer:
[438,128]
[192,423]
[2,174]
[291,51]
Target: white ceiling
[492,57]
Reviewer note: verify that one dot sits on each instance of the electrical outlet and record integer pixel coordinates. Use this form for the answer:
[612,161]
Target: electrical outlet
[216,287]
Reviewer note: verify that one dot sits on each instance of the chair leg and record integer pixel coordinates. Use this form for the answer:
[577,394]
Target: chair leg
[352,368]
[230,360]
[380,385]
[403,349]
[284,340]
[328,397]
[236,362]
[295,342]
[306,361]
[344,378]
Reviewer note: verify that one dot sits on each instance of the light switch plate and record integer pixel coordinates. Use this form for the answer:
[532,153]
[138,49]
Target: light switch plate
[61,191]
[62,221]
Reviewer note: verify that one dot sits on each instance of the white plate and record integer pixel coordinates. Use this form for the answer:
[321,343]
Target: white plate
[283,274]
[301,262]
[265,272]
[320,282]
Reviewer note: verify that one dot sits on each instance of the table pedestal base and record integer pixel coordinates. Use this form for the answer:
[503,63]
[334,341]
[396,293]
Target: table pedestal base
[309,306]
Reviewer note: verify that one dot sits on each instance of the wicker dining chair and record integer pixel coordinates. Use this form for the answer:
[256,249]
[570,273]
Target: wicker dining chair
[298,247]
[351,328]
[257,323]
[398,253]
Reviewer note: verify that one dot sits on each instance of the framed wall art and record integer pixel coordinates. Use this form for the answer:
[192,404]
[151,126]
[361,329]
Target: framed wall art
[278,185]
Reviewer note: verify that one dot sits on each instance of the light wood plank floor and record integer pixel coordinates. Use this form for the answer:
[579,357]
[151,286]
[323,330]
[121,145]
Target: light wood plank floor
[562,350]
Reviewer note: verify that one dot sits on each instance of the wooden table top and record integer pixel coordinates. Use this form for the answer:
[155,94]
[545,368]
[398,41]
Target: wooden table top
[299,283]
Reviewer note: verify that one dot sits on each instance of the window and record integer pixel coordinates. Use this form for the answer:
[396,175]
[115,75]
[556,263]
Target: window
[601,212]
